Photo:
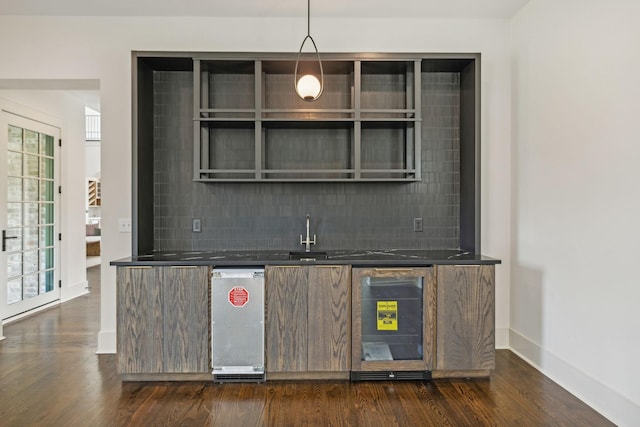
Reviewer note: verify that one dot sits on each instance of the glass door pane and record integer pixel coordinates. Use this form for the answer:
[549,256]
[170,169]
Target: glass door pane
[29,225]
[392,318]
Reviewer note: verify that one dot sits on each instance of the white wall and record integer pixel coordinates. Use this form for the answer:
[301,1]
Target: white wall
[576,203]
[92,159]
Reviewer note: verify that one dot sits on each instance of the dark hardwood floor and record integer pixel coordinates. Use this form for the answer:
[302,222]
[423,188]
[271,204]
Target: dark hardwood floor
[51,376]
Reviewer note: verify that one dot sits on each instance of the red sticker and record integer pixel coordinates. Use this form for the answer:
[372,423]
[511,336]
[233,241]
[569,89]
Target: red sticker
[238,296]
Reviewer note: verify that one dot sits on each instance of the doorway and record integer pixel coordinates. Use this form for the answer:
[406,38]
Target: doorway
[94,197]
[29,217]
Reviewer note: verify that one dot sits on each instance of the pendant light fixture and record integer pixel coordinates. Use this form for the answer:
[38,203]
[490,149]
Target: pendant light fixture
[308,86]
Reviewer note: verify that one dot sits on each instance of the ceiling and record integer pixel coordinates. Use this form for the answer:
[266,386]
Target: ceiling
[267,8]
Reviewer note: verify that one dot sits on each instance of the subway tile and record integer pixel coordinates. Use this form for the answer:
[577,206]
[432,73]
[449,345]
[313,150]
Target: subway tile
[244,216]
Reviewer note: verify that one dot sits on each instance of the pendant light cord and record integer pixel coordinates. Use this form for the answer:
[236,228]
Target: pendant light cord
[308,18]
[308,37]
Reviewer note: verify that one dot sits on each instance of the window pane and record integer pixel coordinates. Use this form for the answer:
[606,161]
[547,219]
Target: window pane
[14,265]
[30,261]
[30,285]
[46,168]
[14,214]
[46,236]
[46,145]
[30,237]
[46,281]
[46,213]
[46,191]
[31,139]
[15,138]
[30,189]
[46,259]
[14,189]
[30,213]
[14,290]
[15,164]
[31,165]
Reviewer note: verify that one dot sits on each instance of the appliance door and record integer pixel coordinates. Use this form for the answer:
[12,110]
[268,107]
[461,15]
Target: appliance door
[392,318]
[237,330]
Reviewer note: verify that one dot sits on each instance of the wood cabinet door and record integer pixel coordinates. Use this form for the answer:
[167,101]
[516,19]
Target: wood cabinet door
[329,323]
[186,324]
[139,320]
[466,319]
[286,299]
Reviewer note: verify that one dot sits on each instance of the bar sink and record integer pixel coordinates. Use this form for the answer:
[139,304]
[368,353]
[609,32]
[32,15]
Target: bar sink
[308,256]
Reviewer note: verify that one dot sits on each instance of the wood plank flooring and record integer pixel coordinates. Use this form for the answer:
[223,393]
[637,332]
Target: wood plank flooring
[51,376]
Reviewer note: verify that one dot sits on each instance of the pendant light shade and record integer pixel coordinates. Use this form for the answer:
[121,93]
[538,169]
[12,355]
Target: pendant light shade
[309,86]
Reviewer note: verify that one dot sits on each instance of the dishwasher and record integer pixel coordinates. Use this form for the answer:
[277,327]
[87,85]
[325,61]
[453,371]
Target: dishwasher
[237,324]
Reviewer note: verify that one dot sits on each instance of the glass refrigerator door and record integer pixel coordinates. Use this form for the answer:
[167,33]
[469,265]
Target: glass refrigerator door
[392,318]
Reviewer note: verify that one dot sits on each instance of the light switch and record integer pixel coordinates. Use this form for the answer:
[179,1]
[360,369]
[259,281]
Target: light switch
[196,225]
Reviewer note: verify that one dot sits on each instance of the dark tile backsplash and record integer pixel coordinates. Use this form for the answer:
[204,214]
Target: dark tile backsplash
[271,216]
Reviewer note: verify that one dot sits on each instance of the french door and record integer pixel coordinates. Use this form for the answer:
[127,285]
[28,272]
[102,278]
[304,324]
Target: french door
[29,207]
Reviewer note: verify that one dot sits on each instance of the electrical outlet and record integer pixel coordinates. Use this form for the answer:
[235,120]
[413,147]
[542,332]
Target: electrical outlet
[124,225]
[417,224]
[196,225]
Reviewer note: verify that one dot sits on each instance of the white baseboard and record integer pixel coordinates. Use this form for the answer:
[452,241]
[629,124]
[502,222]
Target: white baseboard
[106,342]
[608,402]
[31,312]
[70,292]
[66,293]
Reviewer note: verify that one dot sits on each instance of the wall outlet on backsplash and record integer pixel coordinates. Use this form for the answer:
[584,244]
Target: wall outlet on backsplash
[417,224]
[196,225]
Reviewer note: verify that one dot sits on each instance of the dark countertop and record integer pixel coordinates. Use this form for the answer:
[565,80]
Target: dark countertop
[387,257]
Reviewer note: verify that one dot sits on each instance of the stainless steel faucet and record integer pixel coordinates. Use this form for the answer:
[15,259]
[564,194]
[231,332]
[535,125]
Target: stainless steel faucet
[308,242]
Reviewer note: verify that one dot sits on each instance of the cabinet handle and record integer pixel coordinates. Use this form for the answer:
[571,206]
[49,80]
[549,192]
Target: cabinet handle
[393,269]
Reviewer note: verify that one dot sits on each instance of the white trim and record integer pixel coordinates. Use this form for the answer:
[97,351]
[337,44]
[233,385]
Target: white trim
[30,312]
[608,402]
[16,109]
[26,117]
[68,293]
[106,342]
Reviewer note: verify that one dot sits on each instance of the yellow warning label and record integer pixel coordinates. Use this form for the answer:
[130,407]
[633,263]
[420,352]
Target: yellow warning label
[387,315]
